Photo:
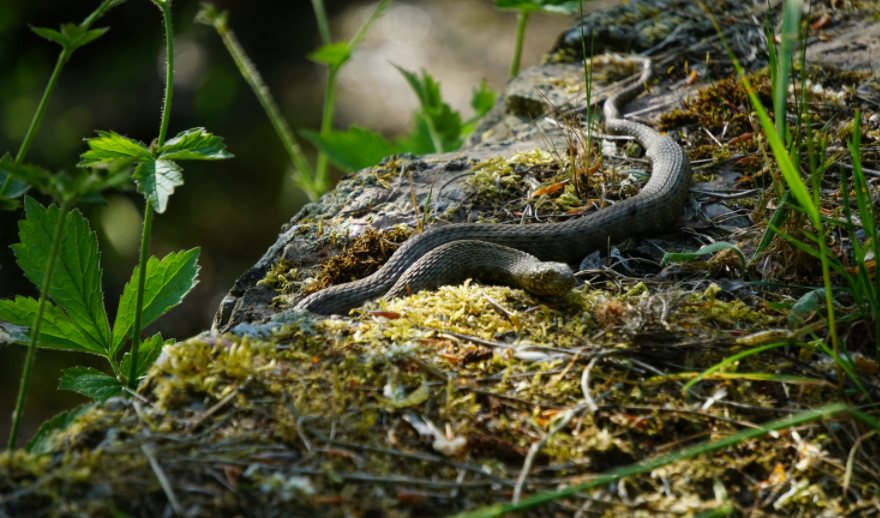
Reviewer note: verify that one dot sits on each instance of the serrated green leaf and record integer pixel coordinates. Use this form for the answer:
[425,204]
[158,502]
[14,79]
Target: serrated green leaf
[41,444]
[353,149]
[681,257]
[437,126]
[51,35]
[333,55]
[109,147]
[76,282]
[426,88]
[148,351]
[58,331]
[90,383]
[194,144]
[156,180]
[483,99]
[168,281]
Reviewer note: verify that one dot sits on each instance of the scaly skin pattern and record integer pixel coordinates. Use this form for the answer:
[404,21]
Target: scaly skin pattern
[457,261]
[653,210]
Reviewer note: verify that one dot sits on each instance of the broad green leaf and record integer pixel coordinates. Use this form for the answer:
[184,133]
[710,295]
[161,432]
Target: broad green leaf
[156,180]
[148,351]
[76,282]
[41,443]
[90,383]
[333,55]
[108,147]
[194,144]
[567,7]
[58,331]
[168,281]
[681,257]
[352,150]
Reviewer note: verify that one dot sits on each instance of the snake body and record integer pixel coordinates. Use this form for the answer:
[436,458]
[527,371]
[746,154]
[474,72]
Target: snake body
[654,209]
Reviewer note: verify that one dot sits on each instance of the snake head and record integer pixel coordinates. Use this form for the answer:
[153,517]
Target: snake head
[548,278]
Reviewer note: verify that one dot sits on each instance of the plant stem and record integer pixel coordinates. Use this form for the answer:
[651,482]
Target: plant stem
[139,300]
[321,18]
[522,19]
[41,107]
[37,119]
[305,176]
[326,126]
[320,178]
[25,381]
[147,228]
[169,74]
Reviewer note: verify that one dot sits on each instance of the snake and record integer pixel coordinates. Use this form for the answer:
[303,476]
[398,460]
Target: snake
[656,207]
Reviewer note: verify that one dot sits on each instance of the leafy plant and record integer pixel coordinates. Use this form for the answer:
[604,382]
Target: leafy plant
[75,319]
[436,128]
[58,251]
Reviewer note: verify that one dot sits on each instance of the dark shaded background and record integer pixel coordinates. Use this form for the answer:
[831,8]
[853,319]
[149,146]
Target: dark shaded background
[232,209]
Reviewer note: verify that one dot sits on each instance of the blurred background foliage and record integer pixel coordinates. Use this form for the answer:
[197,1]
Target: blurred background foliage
[232,209]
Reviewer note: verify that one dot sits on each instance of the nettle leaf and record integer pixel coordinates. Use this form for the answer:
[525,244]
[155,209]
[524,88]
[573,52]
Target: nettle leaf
[90,383]
[109,147]
[41,442]
[447,126]
[194,144]
[58,330]
[438,127]
[353,149]
[333,55]
[148,351]
[483,99]
[566,7]
[427,89]
[156,180]
[76,282]
[168,281]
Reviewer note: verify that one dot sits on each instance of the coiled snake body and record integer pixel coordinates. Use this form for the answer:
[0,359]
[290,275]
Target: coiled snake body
[655,208]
